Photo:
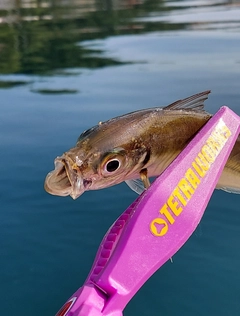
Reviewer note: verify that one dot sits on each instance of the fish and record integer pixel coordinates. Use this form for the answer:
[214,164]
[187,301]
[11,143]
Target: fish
[134,148]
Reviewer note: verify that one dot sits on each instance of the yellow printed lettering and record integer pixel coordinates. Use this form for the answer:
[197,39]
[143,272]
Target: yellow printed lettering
[164,211]
[219,138]
[192,178]
[174,206]
[178,194]
[199,171]
[201,165]
[223,131]
[186,188]
[202,162]
[213,144]
[208,154]
[226,132]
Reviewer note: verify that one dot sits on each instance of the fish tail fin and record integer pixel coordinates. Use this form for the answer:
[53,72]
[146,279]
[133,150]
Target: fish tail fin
[230,178]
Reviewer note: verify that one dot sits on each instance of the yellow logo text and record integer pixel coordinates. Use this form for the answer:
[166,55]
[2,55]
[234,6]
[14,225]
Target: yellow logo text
[186,187]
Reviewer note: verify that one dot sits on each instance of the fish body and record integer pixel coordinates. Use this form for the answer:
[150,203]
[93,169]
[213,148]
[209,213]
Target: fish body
[140,144]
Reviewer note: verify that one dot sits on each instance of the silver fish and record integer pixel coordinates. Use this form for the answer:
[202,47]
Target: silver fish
[140,144]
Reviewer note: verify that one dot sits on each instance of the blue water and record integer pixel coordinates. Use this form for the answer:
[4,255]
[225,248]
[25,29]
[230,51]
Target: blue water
[165,52]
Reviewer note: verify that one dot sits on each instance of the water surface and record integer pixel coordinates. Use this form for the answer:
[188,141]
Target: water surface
[64,66]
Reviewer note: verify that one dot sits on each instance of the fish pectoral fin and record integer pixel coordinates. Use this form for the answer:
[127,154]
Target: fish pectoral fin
[144,178]
[195,102]
[139,185]
[229,190]
[136,185]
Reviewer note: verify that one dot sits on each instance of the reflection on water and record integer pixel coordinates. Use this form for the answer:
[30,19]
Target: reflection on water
[40,37]
[64,67]
[199,15]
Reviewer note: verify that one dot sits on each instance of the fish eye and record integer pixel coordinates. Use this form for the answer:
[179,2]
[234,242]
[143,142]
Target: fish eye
[112,162]
[112,165]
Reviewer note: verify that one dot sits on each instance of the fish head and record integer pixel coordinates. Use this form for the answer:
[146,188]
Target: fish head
[90,166]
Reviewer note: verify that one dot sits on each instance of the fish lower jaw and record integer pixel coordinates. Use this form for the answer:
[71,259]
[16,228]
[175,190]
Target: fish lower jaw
[63,181]
[74,196]
[57,184]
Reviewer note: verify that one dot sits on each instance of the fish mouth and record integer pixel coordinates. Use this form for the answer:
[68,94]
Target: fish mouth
[64,180]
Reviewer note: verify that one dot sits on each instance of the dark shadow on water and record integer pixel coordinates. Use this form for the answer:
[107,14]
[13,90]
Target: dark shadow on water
[11,84]
[57,91]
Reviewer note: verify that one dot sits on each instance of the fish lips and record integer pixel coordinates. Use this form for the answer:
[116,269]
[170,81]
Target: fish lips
[64,180]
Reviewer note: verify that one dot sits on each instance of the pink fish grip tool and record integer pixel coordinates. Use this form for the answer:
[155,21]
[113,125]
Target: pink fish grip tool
[157,224]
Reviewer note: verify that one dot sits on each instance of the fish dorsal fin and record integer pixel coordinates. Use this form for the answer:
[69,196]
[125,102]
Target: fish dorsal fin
[195,102]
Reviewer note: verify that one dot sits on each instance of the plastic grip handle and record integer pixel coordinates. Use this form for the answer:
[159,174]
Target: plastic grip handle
[169,211]
[157,223]
[109,243]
